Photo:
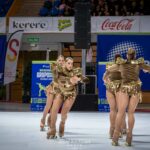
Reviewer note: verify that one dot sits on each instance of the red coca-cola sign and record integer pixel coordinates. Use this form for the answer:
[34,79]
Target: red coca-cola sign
[124,24]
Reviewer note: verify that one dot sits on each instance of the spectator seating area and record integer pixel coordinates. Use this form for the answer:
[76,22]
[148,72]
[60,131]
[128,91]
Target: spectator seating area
[98,8]
[57,8]
[4,7]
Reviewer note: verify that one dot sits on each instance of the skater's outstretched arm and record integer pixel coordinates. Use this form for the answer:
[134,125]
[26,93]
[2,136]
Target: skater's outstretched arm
[145,67]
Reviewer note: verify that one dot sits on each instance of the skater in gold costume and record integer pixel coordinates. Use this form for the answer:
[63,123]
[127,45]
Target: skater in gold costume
[51,90]
[112,82]
[68,79]
[129,93]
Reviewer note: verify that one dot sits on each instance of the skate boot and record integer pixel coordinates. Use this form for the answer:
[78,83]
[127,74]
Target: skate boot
[42,125]
[61,129]
[51,134]
[128,139]
[115,138]
[120,135]
[124,131]
[111,132]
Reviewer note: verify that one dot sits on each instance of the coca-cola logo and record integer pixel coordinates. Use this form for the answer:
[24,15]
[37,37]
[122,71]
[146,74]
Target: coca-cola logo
[124,24]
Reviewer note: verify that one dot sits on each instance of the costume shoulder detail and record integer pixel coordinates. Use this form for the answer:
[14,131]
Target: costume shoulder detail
[138,61]
[120,61]
[109,64]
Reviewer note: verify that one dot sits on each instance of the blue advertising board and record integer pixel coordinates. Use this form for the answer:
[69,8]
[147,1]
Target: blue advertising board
[41,77]
[103,105]
[109,45]
[2,57]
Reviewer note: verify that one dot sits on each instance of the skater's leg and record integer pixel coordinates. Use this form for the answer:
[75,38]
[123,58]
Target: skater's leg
[113,111]
[124,126]
[131,109]
[46,109]
[65,110]
[54,111]
[122,103]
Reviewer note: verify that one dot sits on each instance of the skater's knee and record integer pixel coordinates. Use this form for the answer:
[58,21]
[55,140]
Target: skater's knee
[55,110]
[64,117]
[113,109]
[130,112]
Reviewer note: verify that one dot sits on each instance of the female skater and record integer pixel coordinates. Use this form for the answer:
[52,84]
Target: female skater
[67,79]
[130,92]
[112,82]
[51,90]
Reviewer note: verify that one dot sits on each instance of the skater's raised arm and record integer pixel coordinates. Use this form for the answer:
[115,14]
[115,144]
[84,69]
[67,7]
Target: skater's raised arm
[141,63]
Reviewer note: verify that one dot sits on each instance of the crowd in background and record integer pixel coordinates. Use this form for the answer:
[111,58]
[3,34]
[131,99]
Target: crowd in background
[98,8]
[4,7]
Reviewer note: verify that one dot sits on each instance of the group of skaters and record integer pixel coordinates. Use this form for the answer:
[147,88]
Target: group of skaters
[61,94]
[123,92]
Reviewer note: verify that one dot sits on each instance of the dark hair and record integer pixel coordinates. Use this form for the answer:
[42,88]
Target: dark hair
[117,56]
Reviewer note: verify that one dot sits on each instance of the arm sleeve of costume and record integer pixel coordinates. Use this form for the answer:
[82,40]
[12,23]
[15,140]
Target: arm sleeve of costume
[78,72]
[142,65]
[145,67]
[84,79]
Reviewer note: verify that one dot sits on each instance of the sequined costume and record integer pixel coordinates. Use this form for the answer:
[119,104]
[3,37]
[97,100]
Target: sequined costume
[53,87]
[112,79]
[67,89]
[130,74]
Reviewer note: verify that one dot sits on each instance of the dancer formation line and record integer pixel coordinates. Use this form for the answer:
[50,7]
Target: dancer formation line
[123,92]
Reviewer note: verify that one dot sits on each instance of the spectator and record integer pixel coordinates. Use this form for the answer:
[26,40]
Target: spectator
[98,8]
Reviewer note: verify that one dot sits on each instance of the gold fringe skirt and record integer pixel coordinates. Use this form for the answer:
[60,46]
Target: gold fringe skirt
[113,86]
[132,88]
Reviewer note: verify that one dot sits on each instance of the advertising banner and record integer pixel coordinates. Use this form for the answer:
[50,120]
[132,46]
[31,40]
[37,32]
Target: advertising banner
[117,24]
[41,77]
[13,47]
[63,24]
[30,24]
[42,24]
[102,101]
[3,39]
[100,24]
[109,45]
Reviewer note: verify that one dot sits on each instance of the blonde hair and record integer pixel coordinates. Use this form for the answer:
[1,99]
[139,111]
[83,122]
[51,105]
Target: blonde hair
[69,58]
[60,56]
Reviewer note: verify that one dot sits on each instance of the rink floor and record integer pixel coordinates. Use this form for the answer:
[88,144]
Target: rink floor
[84,131]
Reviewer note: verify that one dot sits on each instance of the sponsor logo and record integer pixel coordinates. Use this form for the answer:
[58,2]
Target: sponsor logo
[63,24]
[13,51]
[29,25]
[124,24]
